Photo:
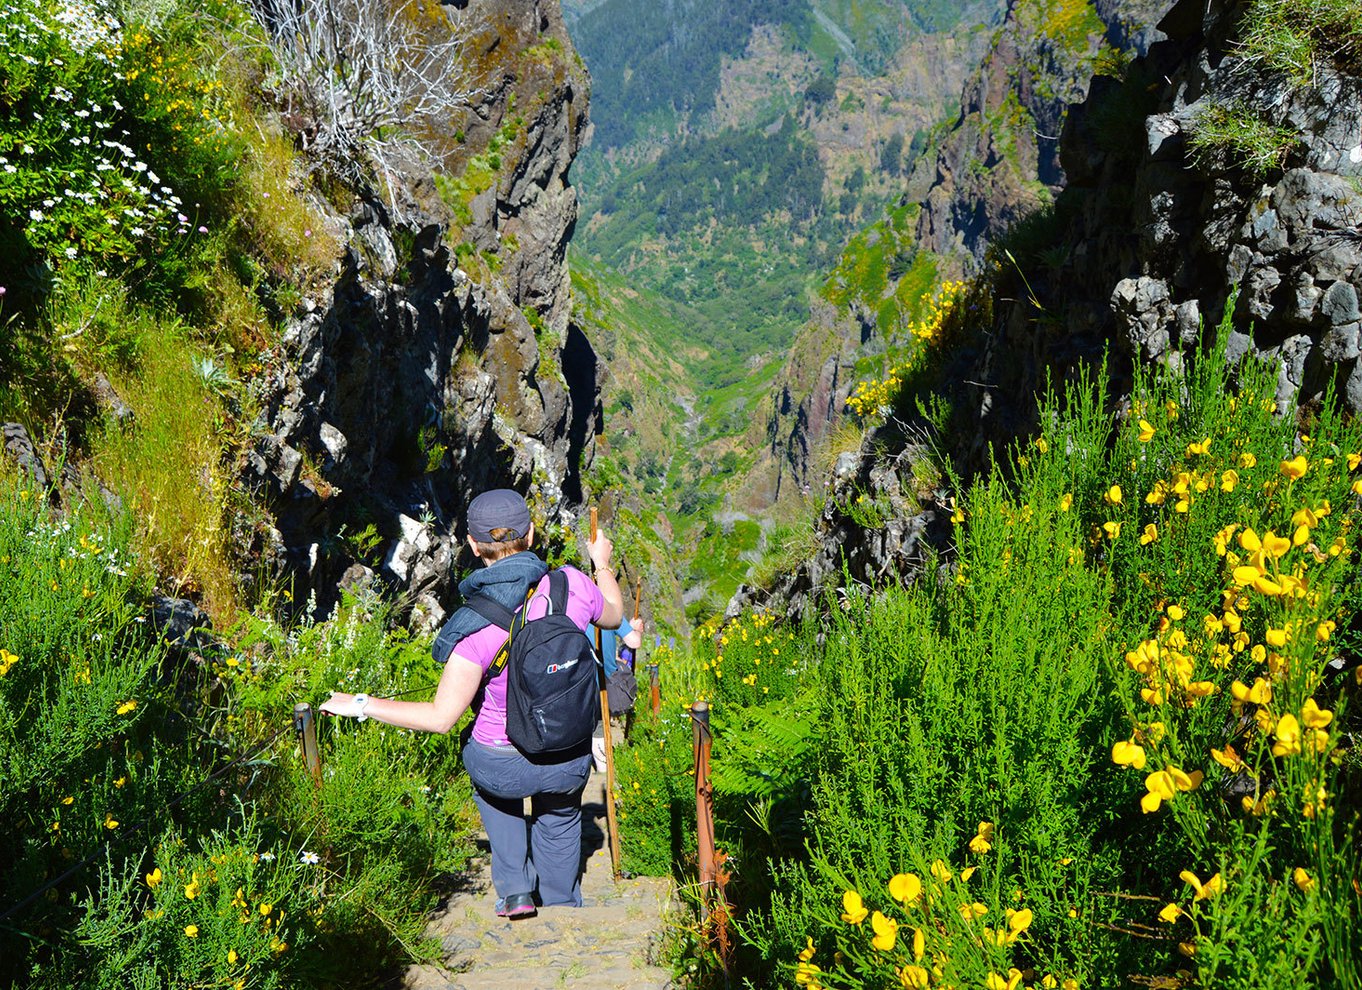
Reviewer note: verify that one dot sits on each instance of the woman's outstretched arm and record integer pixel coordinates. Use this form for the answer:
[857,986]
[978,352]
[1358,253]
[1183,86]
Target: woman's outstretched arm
[458,683]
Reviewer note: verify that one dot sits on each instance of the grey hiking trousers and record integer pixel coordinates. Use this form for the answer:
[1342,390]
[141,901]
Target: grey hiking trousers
[545,853]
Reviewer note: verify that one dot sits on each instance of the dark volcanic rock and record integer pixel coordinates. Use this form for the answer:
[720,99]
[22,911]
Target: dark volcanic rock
[426,373]
[1153,237]
[19,445]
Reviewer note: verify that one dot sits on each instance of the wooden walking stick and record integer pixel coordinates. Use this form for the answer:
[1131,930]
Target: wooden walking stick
[611,825]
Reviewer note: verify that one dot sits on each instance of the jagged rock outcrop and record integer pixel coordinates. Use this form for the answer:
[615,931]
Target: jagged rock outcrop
[808,399]
[1159,231]
[63,479]
[998,164]
[878,525]
[1001,160]
[1155,232]
[441,360]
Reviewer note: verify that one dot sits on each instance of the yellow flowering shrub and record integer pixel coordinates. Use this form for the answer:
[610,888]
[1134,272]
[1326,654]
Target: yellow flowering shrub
[256,877]
[945,314]
[1124,706]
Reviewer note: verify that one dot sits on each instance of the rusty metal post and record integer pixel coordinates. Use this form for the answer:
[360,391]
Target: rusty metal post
[704,801]
[655,687]
[305,725]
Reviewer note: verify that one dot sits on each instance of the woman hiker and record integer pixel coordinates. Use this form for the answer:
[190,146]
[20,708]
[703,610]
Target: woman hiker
[548,860]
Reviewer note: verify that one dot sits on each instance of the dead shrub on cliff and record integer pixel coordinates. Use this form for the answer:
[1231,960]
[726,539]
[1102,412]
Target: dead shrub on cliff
[363,84]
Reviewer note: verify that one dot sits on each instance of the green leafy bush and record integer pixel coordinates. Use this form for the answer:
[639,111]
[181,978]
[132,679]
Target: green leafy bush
[111,142]
[183,840]
[1108,745]
[1237,137]
[1295,36]
[656,783]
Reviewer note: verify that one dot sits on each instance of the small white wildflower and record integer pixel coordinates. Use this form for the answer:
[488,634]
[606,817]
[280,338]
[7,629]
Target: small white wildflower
[310,858]
[268,857]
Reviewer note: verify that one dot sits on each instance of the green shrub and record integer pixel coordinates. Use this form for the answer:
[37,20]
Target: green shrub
[1295,36]
[1110,718]
[113,146]
[219,907]
[105,751]
[1237,137]
[656,784]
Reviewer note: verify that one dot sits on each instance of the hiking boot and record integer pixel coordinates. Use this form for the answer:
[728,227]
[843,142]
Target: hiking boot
[516,906]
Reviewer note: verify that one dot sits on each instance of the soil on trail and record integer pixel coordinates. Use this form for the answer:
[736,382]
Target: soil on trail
[608,944]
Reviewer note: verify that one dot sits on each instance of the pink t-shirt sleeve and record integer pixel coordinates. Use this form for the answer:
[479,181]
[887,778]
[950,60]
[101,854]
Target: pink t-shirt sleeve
[585,601]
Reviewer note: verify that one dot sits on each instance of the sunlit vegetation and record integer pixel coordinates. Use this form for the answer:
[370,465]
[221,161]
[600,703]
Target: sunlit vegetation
[1109,740]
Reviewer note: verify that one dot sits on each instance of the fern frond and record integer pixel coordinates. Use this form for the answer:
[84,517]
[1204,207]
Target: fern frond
[763,747]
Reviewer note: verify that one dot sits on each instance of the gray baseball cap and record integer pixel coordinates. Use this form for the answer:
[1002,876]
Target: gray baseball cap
[501,508]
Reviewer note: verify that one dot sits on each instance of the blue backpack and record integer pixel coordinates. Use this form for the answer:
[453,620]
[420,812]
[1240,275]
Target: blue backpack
[552,679]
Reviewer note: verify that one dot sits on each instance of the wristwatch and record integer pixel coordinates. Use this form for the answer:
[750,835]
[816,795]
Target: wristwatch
[361,702]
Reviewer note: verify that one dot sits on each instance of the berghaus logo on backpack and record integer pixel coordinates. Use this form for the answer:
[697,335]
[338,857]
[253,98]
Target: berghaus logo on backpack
[552,696]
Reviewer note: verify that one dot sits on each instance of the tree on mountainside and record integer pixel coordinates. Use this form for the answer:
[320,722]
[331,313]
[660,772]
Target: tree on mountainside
[821,91]
[891,155]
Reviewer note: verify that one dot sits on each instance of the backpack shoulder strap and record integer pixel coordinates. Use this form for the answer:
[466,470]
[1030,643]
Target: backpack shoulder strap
[513,621]
[558,592]
[491,610]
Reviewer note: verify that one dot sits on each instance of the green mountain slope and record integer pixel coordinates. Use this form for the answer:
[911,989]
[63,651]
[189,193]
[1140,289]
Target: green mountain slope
[737,145]
[736,148]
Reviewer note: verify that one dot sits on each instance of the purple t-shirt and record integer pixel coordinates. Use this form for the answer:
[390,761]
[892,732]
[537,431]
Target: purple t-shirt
[583,607]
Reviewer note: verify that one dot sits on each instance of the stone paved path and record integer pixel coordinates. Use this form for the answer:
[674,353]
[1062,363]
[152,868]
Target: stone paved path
[605,945]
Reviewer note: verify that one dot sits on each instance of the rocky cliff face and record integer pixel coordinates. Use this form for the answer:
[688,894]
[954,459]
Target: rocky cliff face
[442,360]
[1161,224]
[999,163]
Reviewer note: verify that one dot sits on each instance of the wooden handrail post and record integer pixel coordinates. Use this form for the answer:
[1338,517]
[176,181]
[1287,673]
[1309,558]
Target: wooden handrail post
[713,899]
[305,725]
[704,800]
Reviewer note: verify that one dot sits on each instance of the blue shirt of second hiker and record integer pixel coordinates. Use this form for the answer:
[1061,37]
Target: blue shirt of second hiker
[610,640]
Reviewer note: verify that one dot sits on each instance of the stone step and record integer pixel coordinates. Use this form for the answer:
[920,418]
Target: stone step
[603,945]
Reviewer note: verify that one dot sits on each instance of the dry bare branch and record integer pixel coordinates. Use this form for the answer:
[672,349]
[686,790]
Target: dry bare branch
[362,82]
